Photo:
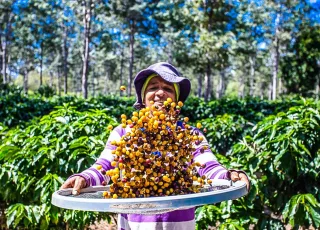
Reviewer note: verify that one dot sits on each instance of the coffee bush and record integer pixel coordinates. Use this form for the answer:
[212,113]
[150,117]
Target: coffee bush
[35,161]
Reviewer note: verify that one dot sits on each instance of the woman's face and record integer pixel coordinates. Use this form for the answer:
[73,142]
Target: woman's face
[158,90]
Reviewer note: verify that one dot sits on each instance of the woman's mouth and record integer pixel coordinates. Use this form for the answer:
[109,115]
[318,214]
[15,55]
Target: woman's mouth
[159,102]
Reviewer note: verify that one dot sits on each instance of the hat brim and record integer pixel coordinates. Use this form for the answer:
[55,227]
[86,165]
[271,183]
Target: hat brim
[184,83]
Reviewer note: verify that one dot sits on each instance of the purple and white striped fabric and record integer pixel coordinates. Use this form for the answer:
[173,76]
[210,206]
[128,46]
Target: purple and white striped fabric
[180,219]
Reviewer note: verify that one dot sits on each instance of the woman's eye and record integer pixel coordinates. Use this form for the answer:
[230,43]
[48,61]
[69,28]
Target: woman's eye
[168,90]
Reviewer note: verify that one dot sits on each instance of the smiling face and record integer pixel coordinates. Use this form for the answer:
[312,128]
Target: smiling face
[158,90]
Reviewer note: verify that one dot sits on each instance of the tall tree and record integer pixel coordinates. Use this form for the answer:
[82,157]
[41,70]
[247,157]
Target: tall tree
[24,41]
[246,24]
[211,46]
[87,14]
[66,31]
[281,28]
[6,20]
[301,69]
[135,16]
[40,17]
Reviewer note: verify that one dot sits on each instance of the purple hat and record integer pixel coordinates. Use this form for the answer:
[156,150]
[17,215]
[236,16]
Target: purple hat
[168,73]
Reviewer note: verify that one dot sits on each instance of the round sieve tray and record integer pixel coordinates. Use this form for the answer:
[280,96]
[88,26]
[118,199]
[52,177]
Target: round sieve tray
[91,199]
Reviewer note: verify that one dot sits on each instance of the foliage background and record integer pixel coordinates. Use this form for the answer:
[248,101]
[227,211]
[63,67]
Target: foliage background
[249,63]
[275,142]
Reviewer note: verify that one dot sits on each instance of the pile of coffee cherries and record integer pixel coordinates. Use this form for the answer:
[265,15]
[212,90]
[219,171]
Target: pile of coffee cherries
[155,158]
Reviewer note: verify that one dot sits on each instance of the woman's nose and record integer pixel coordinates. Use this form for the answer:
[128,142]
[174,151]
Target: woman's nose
[160,92]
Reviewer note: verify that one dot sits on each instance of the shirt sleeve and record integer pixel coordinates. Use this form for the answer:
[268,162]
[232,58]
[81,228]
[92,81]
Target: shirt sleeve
[213,169]
[96,177]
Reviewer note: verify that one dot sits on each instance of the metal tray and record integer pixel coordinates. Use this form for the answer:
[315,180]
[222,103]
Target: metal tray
[91,199]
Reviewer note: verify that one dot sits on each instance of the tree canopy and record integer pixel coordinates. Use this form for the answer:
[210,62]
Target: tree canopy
[256,48]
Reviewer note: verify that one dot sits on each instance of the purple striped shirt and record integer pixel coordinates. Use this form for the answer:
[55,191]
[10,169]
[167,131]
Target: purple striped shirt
[179,219]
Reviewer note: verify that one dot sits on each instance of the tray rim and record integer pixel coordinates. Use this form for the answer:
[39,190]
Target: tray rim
[236,190]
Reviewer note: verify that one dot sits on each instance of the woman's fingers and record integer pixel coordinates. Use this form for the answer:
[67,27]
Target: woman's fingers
[243,177]
[68,183]
[79,184]
[234,176]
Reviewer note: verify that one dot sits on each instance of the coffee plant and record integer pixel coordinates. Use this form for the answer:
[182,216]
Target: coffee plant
[35,161]
[46,91]
[223,131]
[282,158]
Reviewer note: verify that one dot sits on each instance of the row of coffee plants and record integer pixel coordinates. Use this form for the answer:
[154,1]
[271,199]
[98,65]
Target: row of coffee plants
[251,109]
[17,108]
[34,162]
[282,157]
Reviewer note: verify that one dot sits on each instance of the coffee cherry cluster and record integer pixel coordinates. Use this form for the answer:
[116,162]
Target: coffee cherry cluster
[155,157]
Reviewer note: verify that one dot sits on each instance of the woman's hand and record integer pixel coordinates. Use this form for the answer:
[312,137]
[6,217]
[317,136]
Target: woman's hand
[238,175]
[77,183]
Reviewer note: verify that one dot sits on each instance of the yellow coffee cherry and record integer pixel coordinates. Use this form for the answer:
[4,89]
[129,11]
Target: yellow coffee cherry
[98,167]
[135,114]
[151,156]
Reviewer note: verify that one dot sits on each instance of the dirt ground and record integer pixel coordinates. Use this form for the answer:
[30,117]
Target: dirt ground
[103,225]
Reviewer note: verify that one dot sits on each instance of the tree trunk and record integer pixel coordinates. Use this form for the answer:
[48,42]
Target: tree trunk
[79,84]
[4,61]
[85,67]
[106,79]
[170,51]
[121,70]
[280,87]
[93,83]
[275,72]
[7,18]
[317,87]
[199,91]
[262,88]
[65,61]
[275,59]
[51,79]
[10,71]
[41,62]
[209,7]
[25,80]
[241,87]
[74,87]
[207,82]
[221,86]
[59,81]
[252,60]
[132,32]
[270,91]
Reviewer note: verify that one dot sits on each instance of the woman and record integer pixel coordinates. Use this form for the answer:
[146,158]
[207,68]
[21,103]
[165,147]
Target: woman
[154,85]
